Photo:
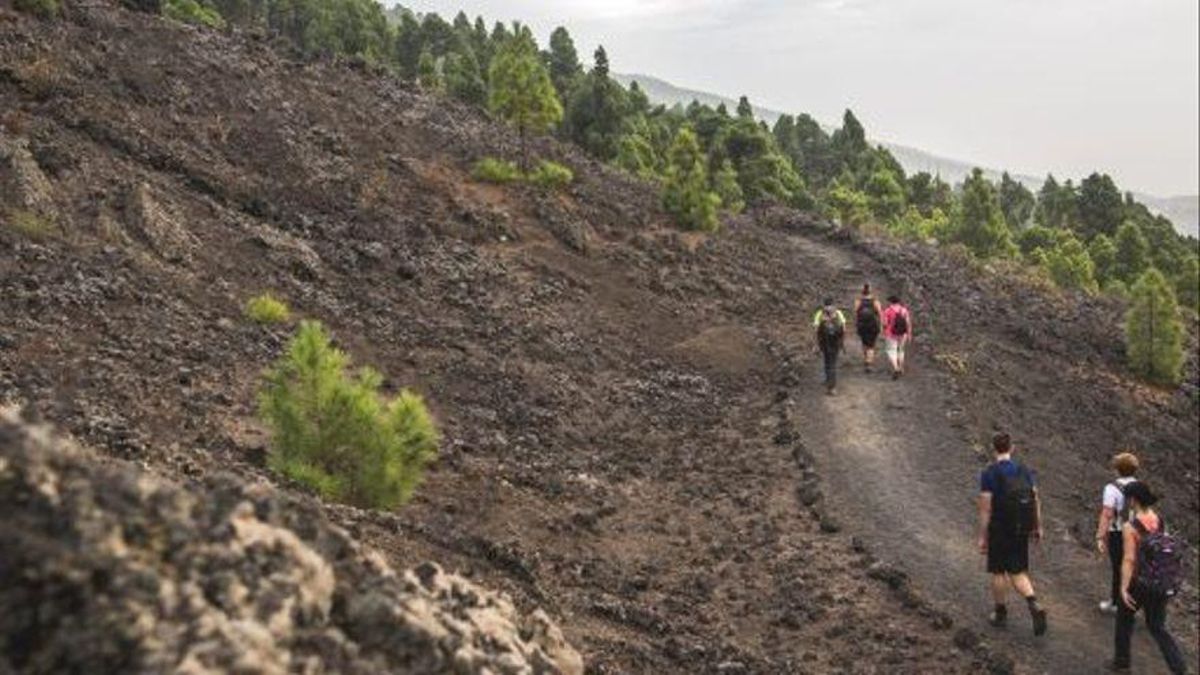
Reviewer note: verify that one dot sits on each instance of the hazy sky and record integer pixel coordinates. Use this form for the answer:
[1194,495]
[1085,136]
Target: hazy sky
[1068,86]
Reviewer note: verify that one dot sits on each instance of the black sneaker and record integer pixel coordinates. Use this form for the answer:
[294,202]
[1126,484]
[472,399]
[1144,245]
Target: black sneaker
[1039,621]
[999,617]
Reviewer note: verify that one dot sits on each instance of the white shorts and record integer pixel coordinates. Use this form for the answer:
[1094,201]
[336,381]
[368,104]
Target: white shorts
[895,348]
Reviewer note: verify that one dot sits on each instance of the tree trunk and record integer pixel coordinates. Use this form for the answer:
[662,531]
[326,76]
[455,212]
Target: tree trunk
[524,151]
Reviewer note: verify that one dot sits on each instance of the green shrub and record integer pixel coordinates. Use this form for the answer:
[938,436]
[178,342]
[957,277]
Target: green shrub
[190,11]
[551,175]
[334,433]
[32,225]
[494,170]
[46,9]
[266,308]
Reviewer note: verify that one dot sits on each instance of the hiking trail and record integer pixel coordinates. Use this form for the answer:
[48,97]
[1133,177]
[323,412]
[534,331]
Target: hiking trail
[901,473]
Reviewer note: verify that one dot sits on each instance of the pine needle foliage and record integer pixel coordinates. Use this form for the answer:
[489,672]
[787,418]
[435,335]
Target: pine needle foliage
[334,433]
[492,170]
[1153,332]
[551,175]
[267,309]
[685,192]
[521,90]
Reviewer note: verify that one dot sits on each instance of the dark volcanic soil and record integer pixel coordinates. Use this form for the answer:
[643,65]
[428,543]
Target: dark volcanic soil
[632,418]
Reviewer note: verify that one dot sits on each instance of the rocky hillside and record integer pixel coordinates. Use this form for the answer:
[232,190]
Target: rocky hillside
[616,397]
[106,569]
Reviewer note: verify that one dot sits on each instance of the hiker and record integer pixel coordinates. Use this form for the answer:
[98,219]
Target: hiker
[867,322]
[1009,514]
[1114,513]
[897,331]
[1150,571]
[831,340]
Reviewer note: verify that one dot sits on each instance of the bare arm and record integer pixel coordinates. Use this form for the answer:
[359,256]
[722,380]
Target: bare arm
[1037,501]
[985,517]
[1127,563]
[1104,522]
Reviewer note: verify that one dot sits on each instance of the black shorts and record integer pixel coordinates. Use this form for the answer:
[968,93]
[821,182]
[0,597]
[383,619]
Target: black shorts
[869,337]
[1007,554]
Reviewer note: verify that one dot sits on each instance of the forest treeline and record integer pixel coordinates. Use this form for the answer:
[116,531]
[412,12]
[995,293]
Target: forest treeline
[1088,235]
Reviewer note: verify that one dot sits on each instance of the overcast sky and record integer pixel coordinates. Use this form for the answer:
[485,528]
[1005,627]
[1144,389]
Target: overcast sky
[1068,86]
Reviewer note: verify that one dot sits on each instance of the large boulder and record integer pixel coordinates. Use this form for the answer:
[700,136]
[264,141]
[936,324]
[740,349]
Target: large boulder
[105,568]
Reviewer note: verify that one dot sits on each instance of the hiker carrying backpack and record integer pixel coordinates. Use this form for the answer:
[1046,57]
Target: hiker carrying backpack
[897,332]
[1159,564]
[832,330]
[1150,576]
[1009,519]
[1018,502]
[867,318]
[830,325]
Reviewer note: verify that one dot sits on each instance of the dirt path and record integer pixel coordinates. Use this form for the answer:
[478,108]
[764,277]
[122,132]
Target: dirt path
[902,476]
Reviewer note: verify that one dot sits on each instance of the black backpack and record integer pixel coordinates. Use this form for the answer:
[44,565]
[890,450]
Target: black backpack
[867,317]
[900,323]
[1018,502]
[1122,516]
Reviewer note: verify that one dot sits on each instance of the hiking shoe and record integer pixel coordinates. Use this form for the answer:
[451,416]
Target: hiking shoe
[1039,621]
[998,618]
[1108,607]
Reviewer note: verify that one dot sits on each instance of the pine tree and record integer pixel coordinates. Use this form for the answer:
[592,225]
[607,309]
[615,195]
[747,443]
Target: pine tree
[1187,284]
[1069,265]
[1153,332]
[850,141]
[886,195]
[685,192]
[563,61]
[847,205]
[463,78]
[725,185]
[427,72]
[1133,253]
[744,109]
[596,111]
[334,433]
[521,90]
[981,227]
[600,58]
[1103,253]
[1101,208]
[1016,202]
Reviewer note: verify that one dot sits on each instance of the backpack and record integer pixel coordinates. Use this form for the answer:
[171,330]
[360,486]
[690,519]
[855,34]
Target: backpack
[1018,503]
[831,329]
[1159,560]
[900,322]
[1122,516]
[867,317]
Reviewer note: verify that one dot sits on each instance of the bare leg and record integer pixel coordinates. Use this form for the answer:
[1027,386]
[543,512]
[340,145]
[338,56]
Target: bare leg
[1022,584]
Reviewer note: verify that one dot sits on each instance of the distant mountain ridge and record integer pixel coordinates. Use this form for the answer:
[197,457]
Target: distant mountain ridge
[1182,210]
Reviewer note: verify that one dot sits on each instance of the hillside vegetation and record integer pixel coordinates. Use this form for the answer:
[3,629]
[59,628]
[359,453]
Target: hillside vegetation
[1089,236]
[629,424]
